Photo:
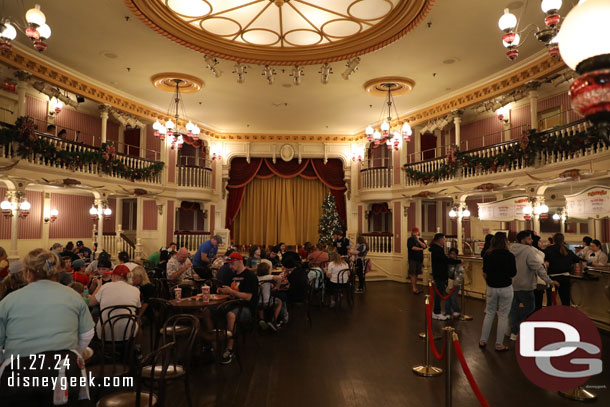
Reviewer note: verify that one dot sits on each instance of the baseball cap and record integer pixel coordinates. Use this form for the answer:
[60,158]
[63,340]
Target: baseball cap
[104,263]
[235,256]
[218,239]
[121,270]
[415,230]
[79,243]
[78,264]
[103,256]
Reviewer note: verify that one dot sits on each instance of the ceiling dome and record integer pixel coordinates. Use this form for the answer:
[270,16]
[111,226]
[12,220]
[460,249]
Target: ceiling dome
[282,32]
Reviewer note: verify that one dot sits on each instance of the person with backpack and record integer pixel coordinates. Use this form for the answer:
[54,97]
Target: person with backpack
[456,279]
[440,272]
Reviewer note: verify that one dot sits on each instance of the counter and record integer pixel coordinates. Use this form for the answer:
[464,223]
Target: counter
[592,296]
[474,283]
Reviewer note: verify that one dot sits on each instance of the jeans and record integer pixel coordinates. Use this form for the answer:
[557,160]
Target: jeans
[563,290]
[499,301]
[451,305]
[360,273]
[518,314]
[441,286]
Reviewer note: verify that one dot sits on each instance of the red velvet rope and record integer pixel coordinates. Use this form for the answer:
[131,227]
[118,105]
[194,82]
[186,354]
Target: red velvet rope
[439,294]
[439,356]
[466,370]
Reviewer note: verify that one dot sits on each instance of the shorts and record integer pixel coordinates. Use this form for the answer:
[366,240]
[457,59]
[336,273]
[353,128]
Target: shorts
[415,267]
[246,313]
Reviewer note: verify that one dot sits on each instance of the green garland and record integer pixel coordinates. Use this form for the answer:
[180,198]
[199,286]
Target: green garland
[527,150]
[24,134]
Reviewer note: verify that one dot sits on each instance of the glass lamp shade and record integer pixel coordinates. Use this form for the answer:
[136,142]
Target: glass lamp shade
[25,206]
[452,213]
[544,208]
[35,17]
[369,131]
[169,124]
[93,211]
[156,125]
[584,32]
[196,130]
[190,126]
[508,21]
[385,126]
[550,6]
[406,129]
[466,213]
[44,31]
[556,217]
[54,213]
[376,135]
[9,32]
[527,210]
[6,205]
[515,42]
[107,212]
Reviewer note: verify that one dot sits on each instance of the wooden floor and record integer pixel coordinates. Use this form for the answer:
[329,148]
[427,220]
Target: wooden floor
[363,357]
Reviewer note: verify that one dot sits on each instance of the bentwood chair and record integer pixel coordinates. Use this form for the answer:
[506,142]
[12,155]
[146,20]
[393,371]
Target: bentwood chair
[265,305]
[159,361]
[180,363]
[343,288]
[162,310]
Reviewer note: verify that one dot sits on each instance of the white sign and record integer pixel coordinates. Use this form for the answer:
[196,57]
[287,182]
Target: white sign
[593,202]
[504,210]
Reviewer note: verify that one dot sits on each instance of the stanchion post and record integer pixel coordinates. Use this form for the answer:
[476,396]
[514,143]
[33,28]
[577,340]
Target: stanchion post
[579,394]
[426,370]
[448,331]
[464,316]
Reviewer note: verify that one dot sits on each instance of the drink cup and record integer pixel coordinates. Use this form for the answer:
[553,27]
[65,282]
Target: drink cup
[178,293]
[205,293]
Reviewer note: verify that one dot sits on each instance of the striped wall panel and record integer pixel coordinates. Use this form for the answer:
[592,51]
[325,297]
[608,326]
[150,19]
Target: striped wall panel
[214,174]
[170,221]
[171,166]
[153,144]
[520,121]
[31,226]
[411,216]
[73,220]
[5,223]
[110,224]
[90,127]
[112,132]
[150,214]
[37,110]
[481,133]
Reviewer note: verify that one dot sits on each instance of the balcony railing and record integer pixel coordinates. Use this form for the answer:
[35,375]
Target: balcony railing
[379,242]
[190,240]
[195,177]
[560,135]
[376,178]
[10,151]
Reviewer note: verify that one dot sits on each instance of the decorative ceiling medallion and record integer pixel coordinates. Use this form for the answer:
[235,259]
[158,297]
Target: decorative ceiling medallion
[166,81]
[396,84]
[282,32]
[286,152]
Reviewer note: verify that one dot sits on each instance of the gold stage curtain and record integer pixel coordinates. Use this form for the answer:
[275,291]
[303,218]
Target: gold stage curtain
[279,209]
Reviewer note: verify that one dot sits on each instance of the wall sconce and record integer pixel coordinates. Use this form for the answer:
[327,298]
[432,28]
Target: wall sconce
[459,212]
[354,157]
[96,212]
[503,114]
[50,216]
[8,207]
[216,156]
[55,106]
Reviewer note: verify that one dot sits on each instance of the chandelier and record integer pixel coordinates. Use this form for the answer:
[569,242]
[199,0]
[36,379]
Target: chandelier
[171,129]
[36,30]
[548,35]
[388,134]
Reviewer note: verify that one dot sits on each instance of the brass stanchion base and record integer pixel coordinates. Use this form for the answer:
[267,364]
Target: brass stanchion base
[579,394]
[422,335]
[427,371]
[465,318]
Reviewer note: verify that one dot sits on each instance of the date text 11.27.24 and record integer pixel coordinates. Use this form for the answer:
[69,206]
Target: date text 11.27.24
[37,362]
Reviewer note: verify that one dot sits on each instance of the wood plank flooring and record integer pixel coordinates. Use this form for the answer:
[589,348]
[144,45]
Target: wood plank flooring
[363,357]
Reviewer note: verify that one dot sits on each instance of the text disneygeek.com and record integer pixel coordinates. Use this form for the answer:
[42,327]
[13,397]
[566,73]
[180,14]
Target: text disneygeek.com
[64,383]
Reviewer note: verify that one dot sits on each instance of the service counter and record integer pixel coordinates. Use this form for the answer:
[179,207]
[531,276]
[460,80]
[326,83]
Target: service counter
[474,283]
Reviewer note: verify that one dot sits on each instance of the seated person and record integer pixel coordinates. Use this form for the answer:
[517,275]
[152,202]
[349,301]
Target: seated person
[79,274]
[93,265]
[78,287]
[586,249]
[180,267]
[65,275]
[266,281]
[102,274]
[305,250]
[318,256]
[225,273]
[140,280]
[69,251]
[124,259]
[274,257]
[14,280]
[117,292]
[161,268]
[297,277]
[254,258]
[82,251]
[336,265]
[596,257]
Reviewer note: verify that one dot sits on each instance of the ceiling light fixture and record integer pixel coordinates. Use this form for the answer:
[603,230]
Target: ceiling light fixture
[36,29]
[547,35]
[392,135]
[325,70]
[171,129]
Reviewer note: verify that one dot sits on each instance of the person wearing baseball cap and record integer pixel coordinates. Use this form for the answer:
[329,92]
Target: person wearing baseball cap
[82,251]
[117,292]
[416,247]
[205,256]
[101,273]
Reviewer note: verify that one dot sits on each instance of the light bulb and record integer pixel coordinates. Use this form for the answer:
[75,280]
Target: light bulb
[35,17]
[190,126]
[25,206]
[107,212]
[44,31]
[584,32]
[556,216]
[550,6]
[452,213]
[54,213]
[544,208]
[515,43]
[508,21]
[9,32]
[376,135]
[93,211]
[406,129]
[369,131]
[385,126]
[527,210]
[156,125]
[169,124]
[466,213]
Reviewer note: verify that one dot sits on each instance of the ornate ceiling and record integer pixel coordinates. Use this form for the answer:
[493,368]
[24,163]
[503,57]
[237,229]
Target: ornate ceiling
[282,32]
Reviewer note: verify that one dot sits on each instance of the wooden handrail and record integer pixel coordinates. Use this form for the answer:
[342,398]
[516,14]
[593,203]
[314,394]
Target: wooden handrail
[375,168]
[377,234]
[128,241]
[190,233]
[193,166]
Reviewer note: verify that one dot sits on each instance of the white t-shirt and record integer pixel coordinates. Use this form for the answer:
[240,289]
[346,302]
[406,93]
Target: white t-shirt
[116,293]
[266,289]
[334,270]
[131,265]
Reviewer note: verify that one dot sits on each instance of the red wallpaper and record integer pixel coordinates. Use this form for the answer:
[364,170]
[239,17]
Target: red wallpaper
[110,224]
[73,220]
[37,110]
[153,144]
[171,166]
[150,215]
[30,227]
[411,216]
[397,213]
[112,131]
[520,121]
[431,218]
[397,168]
[471,134]
[359,220]
[213,174]
[212,218]
[90,127]
[170,221]
[5,223]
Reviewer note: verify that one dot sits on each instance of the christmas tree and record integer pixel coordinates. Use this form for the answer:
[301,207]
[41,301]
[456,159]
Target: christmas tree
[329,221]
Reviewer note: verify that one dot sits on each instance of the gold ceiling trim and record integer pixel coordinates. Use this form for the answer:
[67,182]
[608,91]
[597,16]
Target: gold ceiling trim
[275,138]
[165,82]
[398,86]
[404,17]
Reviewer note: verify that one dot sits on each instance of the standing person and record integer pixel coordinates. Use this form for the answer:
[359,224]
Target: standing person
[341,243]
[205,256]
[499,268]
[487,244]
[586,249]
[561,263]
[440,271]
[360,252]
[530,265]
[541,285]
[456,279]
[416,247]
[596,257]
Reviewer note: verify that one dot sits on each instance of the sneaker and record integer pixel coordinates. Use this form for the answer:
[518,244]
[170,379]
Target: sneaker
[263,324]
[440,317]
[358,291]
[513,337]
[280,325]
[456,315]
[272,326]
[227,357]
[332,304]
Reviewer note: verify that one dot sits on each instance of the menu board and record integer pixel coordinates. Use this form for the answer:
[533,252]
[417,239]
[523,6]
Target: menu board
[592,203]
[504,210]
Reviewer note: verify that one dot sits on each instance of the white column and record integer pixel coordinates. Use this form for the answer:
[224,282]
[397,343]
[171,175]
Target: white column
[14,249]
[104,119]
[419,215]
[139,226]
[46,211]
[417,144]
[533,96]
[143,141]
[121,146]
[597,232]
[21,87]
[439,217]
[457,122]
[460,235]
[99,203]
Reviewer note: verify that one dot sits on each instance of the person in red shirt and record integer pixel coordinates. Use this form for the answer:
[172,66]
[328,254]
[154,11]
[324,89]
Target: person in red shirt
[79,275]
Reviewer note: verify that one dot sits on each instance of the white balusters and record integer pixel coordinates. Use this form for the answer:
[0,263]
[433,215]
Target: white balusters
[195,177]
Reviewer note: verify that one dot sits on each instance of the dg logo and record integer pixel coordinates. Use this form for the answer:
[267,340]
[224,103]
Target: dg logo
[559,348]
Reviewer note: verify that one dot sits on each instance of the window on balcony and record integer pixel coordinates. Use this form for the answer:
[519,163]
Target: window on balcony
[190,217]
[191,156]
[132,142]
[379,156]
[550,118]
[379,218]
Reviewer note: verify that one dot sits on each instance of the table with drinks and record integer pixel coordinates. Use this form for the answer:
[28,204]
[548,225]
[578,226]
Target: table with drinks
[205,299]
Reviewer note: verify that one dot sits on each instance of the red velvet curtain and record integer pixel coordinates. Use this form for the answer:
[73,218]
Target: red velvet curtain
[242,173]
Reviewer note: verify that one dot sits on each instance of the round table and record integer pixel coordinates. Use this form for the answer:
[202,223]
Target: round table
[193,303]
